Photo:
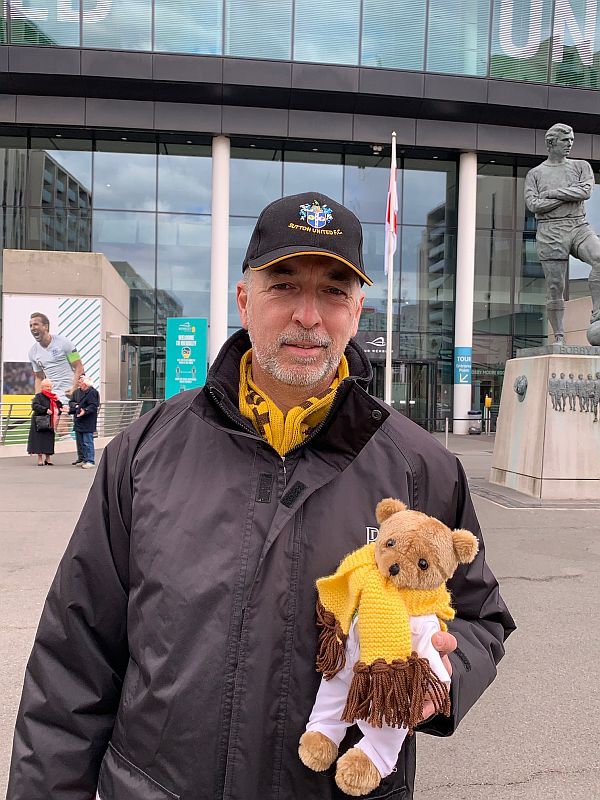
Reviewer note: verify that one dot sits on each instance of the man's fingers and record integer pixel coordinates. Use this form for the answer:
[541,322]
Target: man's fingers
[444,642]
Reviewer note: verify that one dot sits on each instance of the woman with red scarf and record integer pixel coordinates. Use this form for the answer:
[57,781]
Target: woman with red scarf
[41,438]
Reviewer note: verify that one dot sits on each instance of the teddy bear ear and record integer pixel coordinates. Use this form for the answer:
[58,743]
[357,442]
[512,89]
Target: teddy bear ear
[465,546]
[385,508]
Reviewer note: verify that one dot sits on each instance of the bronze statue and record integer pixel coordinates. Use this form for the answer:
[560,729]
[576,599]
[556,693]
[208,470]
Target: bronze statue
[555,191]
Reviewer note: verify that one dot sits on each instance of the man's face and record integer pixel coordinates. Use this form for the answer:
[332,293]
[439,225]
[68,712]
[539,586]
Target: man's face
[300,314]
[37,328]
[562,144]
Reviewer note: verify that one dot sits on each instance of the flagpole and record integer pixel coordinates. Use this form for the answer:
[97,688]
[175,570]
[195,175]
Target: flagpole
[387,394]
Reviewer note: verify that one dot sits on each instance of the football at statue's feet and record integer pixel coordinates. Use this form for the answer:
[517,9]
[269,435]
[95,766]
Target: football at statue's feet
[593,333]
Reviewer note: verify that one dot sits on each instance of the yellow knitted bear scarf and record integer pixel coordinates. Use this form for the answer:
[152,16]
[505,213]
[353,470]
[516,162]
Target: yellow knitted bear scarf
[390,680]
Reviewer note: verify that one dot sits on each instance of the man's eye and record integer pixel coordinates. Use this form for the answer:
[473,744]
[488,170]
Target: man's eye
[336,291]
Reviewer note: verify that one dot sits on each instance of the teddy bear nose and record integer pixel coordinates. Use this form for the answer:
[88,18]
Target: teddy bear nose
[394,569]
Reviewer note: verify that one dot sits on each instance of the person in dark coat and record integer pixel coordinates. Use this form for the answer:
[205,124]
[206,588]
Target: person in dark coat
[175,656]
[85,417]
[74,399]
[41,442]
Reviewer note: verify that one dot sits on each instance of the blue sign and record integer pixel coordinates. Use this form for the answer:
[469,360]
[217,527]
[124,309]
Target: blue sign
[463,357]
[186,354]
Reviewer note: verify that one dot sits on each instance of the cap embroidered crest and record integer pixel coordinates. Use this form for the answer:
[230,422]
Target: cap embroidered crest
[316,215]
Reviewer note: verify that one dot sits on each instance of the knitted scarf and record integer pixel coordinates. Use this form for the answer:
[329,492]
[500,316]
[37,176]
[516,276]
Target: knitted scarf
[390,680]
[284,431]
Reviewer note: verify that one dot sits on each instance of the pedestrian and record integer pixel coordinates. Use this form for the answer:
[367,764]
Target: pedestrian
[85,416]
[47,408]
[175,656]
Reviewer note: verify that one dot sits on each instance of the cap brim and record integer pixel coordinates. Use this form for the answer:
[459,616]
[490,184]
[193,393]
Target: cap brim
[275,256]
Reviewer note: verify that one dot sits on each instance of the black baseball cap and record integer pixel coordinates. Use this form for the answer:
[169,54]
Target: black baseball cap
[302,224]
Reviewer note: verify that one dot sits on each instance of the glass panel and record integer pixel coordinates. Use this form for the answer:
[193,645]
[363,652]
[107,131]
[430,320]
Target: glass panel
[256,179]
[521,40]
[12,228]
[184,181]
[490,354]
[13,176]
[457,37]
[59,229]
[494,258]
[366,181]
[309,172]
[127,240]
[119,26]
[3,12]
[373,317]
[125,180]
[495,196]
[429,192]
[327,32]
[258,28]
[35,22]
[240,231]
[393,33]
[188,27]
[60,178]
[525,220]
[575,42]
[427,278]
[183,267]
[530,289]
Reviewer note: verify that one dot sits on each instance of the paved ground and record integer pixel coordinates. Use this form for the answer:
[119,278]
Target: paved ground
[533,735]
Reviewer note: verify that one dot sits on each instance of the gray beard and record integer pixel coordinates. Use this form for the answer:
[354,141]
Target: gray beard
[303,375]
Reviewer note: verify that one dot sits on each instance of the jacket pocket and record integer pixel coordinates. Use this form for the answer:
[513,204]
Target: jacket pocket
[119,779]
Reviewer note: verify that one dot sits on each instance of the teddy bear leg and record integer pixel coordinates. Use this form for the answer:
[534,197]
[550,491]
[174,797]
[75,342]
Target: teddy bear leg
[317,751]
[356,774]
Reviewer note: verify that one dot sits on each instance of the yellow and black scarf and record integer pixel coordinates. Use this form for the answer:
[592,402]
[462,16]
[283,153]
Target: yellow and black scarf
[390,680]
[284,431]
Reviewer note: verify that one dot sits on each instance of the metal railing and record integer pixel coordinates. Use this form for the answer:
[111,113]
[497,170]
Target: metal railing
[113,417]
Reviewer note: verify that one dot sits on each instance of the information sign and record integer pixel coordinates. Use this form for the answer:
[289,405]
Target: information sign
[186,354]
[462,364]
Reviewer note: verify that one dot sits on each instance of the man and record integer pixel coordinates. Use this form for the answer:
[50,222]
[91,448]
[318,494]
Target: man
[571,391]
[54,357]
[553,391]
[555,191]
[84,407]
[176,652]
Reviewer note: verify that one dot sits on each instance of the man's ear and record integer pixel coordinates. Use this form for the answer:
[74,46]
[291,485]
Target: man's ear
[465,546]
[241,297]
[385,508]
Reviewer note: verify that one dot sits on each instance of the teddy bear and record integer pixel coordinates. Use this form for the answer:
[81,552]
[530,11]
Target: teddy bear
[377,614]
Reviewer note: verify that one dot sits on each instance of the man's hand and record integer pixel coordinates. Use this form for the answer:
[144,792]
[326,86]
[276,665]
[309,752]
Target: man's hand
[444,643]
[82,412]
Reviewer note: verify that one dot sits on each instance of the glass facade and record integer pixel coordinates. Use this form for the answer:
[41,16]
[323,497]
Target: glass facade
[556,41]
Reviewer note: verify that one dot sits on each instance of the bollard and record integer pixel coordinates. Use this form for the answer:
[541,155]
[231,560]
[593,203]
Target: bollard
[446,426]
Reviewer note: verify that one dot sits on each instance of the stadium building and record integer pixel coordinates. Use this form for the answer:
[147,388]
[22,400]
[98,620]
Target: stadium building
[154,131]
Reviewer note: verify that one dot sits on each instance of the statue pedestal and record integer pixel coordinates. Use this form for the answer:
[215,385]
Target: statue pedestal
[545,452]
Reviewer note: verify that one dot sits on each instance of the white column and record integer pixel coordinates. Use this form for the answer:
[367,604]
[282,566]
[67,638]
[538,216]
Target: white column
[219,246]
[465,283]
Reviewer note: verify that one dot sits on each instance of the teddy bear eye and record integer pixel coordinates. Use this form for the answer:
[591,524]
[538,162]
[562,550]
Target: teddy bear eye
[423,564]
[390,543]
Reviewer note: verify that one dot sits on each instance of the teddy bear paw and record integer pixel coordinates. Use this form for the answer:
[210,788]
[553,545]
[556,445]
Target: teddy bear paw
[356,774]
[317,751]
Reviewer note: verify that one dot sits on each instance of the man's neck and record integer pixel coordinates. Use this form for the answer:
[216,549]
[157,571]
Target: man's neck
[284,395]
[45,340]
[556,161]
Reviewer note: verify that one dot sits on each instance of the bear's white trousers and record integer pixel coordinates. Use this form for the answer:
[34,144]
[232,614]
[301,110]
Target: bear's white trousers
[381,745]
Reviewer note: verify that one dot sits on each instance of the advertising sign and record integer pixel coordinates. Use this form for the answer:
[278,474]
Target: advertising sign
[462,364]
[186,354]
[74,334]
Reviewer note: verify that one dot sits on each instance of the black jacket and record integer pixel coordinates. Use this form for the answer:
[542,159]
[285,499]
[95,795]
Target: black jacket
[176,652]
[87,400]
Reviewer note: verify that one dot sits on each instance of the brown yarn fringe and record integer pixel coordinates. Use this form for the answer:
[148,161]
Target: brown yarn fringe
[394,693]
[331,657]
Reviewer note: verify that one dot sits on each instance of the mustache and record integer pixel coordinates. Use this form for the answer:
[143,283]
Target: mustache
[304,337]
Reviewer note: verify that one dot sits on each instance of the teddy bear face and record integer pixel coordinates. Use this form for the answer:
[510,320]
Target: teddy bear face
[415,551]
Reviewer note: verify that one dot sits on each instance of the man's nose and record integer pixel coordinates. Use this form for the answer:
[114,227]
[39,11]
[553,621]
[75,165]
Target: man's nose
[307,311]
